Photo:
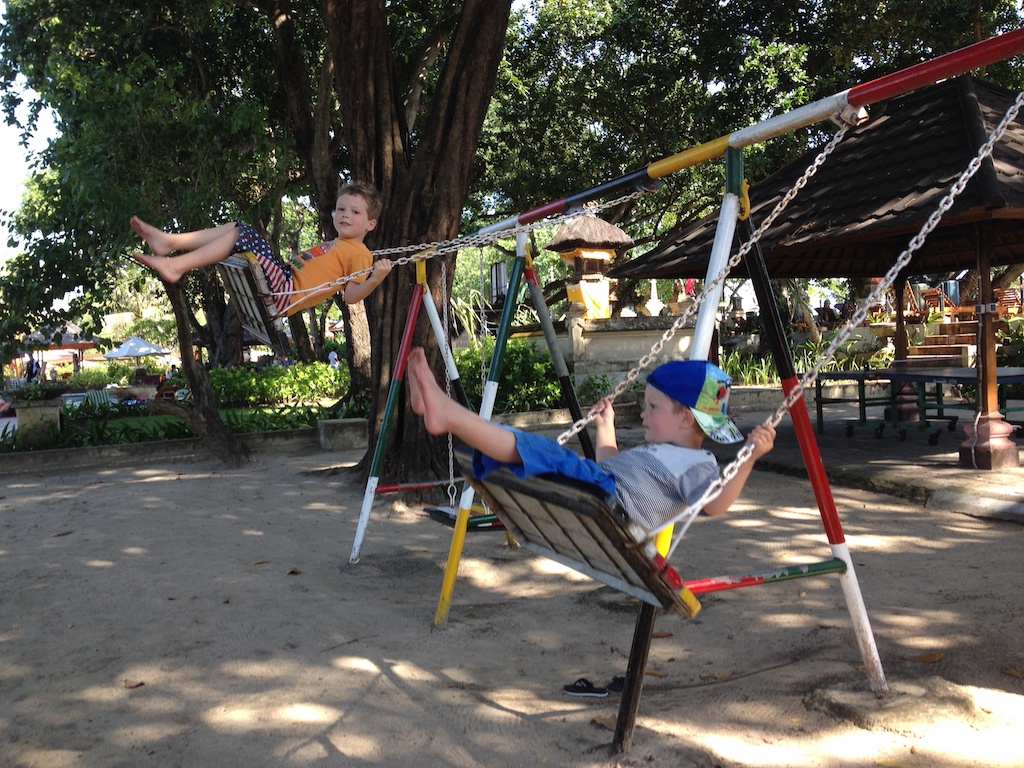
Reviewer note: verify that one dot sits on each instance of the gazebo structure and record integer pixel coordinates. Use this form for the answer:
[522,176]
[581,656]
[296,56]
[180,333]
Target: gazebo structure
[70,339]
[859,211]
[587,244]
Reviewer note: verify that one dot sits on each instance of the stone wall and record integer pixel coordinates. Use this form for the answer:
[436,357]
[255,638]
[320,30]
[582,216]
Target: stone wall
[613,346]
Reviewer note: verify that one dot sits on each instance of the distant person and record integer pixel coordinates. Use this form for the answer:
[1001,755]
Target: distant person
[32,368]
[826,315]
[332,359]
[293,278]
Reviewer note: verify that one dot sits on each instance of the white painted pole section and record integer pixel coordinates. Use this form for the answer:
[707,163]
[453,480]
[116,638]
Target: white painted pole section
[490,394]
[441,336]
[800,117]
[707,315]
[499,226]
[487,399]
[861,624]
[364,518]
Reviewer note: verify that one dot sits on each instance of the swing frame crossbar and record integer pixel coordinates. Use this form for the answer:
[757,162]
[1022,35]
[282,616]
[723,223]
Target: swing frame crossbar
[254,305]
[771,576]
[422,485]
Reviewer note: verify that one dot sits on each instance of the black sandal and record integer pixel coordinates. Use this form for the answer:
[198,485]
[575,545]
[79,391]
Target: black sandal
[584,687]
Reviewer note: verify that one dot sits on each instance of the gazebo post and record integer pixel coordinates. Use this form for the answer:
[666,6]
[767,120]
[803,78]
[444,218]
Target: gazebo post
[903,395]
[988,444]
[901,342]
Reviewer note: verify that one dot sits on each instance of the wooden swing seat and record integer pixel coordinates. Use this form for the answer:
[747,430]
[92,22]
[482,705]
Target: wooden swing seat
[578,525]
[257,311]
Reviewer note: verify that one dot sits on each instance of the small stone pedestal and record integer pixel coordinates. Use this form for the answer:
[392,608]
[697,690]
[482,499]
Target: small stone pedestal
[38,418]
[989,445]
[341,434]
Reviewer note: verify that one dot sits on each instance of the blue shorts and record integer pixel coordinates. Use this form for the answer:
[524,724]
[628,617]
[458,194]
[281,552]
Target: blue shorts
[541,455]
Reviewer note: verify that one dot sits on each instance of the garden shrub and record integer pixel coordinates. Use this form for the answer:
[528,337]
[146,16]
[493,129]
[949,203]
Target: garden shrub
[271,398]
[528,381]
[247,386]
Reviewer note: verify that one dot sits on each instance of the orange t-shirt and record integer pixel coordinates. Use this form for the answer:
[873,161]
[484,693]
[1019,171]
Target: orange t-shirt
[325,264]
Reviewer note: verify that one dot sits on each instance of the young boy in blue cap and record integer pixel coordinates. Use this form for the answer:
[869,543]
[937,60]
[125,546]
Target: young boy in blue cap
[684,401]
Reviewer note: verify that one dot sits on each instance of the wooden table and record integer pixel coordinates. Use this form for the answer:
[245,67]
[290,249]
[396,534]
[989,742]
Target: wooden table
[921,378]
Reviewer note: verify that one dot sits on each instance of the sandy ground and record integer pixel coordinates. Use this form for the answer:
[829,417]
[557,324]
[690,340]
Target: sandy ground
[188,615]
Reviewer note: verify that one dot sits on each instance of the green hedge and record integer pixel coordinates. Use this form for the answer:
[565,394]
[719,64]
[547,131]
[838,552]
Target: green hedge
[247,387]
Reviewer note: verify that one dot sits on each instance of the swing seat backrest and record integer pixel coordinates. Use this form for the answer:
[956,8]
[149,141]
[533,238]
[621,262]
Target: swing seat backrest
[581,527]
[256,308]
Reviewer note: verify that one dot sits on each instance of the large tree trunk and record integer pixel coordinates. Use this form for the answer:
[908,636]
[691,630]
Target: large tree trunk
[200,413]
[357,351]
[424,186]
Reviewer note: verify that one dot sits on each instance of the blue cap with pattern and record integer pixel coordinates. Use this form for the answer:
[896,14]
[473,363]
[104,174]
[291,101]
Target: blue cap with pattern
[704,389]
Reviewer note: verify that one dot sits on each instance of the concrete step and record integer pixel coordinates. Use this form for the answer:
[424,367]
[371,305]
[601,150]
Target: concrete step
[950,338]
[970,327]
[945,350]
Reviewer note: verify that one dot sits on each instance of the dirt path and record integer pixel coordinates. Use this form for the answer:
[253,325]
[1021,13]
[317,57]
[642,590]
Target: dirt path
[189,615]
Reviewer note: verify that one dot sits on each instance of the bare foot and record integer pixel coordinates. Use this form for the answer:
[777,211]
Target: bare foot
[162,265]
[425,396]
[155,238]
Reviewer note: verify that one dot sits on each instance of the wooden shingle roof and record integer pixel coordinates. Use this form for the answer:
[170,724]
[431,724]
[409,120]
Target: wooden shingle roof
[858,213]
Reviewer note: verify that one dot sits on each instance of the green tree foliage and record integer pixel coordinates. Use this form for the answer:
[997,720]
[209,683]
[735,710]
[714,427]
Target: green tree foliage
[167,113]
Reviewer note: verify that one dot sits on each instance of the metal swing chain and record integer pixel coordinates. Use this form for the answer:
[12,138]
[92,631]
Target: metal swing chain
[429,250]
[486,238]
[448,382]
[482,319]
[858,317]
[710,286]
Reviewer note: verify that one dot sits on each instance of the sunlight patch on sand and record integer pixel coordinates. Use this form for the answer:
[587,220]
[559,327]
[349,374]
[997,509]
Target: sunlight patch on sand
[356,664]
[233,717]
[410,673]
[308,713]
[747,522]
[903,545]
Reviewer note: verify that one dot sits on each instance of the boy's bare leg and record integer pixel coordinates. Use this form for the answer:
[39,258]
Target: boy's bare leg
[216,245]
[165,243]
[442,414]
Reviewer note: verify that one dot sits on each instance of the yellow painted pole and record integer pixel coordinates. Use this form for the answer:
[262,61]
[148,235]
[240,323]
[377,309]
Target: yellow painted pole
[688,157]
[451,570]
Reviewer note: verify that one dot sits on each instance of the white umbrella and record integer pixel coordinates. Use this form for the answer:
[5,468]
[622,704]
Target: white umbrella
[136,347]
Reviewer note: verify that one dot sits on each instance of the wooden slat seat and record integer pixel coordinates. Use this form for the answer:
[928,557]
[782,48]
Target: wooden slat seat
[251,298]
[576,524]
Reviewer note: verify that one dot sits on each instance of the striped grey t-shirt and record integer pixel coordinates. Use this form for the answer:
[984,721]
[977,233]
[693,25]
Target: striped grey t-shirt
[654,480]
